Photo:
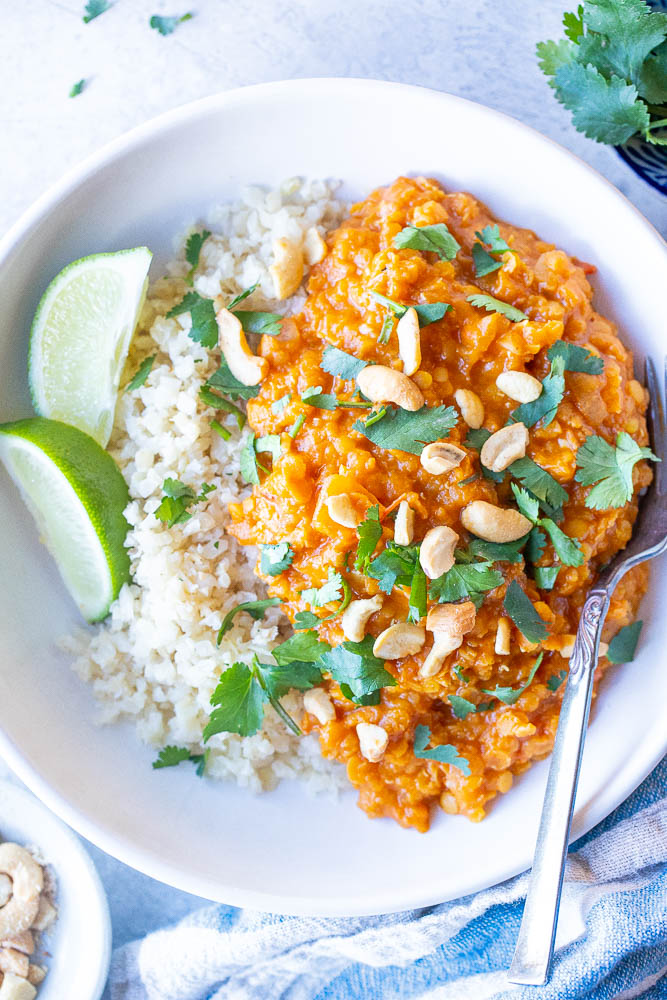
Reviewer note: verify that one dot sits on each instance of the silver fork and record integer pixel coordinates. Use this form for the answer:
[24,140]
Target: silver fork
[535,944]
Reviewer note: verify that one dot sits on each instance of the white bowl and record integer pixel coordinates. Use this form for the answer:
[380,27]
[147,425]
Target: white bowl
[79,942]
[285,851]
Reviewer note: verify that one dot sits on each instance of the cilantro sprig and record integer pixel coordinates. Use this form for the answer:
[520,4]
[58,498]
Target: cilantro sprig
[610,468]
[359,672]
[141,374]
[545,406]
[434,239]
[194,243]
[623,646]
[403,430]
[510,696]
[204,326]
[575,358]
[465,579]
[496,305]
[427,312]
[175,505]
[522,611]
[483,259]
[446,753]
[276,558]
[171,756]
[370,533]
[565,547]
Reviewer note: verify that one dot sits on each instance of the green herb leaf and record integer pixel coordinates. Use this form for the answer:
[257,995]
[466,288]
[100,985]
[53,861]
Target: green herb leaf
[538,481]
[194,243]
[537,543]
[265,323]
[170,756]
[574,24]
[296,426]
[482,259]
[167,25]
[305,620]
[204,328]
[444,754]
[522,611]
[304,647]
[495,305]
[402,430]
[340,363]
[229,385]
[314,396]
[370,533]
[631,32]
[565,547]
[239,701]
[477,438]
[555,681]
[141,374]
[622,647]
[545,576]
[417,604]
[221,431]
[511,695]
[611,468]
[465,580]
[279,405]
[434,239]
[269,443]
[275,558]
[177,499]
[553,55]
[242,296]
[394,565]
[545,406]
[461,707]
[248,462]
[575,358]
[353,664]
[94,8]
[427,312]
[211,398]
[529,506]
[605,110]
[77,88]
[498,551]
[256,610]
[330,591]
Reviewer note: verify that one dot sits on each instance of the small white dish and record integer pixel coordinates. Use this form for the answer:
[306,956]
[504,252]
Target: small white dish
[286,851]
[79,942]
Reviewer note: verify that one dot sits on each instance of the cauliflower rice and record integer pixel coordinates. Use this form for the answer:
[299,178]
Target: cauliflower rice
[155,659]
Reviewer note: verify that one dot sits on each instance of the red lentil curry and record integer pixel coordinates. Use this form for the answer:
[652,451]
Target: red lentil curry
[490,701]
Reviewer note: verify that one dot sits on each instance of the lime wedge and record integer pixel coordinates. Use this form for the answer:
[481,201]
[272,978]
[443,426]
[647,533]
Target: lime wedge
[76,494]
[80,338]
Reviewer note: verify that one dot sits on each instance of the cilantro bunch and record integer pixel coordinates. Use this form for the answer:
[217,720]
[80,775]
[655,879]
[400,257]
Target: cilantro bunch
[610,70]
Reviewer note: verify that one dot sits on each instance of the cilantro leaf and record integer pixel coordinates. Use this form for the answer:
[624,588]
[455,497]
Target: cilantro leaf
[370,533]
[211,398]
[276,558]
[194,243]
[444,754]
[94,8]
[555,681]
[77,88]
[575,358]
[204,328]
[241,296]
[605,110]
[305,620]
[495,305]
[238,702]
[528,505]
[574,24]
[538,481]
[461,707]
[482,259]
[537,543]
[652,80]
[403,430]
[622,647]
[328,592]
[477,438]
[170,756]
[631,32]
[565,547]
[314,396]
[225,382]
[611,468]
[304,647]
[435,239]
[256,610]
[278,680]
[522,611]
[465,580]
[353,664]
[265,323]
[394,565]
[177,499]
[167,25]
[545,576]
[498,551]
[417,605]
[510,696]
[141,374]
[553,55]
[340,363]
[279,405]
[545,406]
[269,443]
[248,462]
[427,312]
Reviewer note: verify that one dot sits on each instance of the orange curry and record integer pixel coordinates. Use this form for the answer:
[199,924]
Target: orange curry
[467,349]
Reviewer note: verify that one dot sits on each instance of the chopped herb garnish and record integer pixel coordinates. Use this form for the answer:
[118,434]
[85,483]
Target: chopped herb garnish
[330,591]
[565,547]
[418,586]
[265,323]
[242,296]
[240,703]
[77,88]
[211,398]
[461,707]
[256,610]
[444,754]
[522,611]
[555,681]
[167,25]
[495,305]
[248,462]
[314,396]
[269,443]
[354,666]
[279,405]
[297,425]
[465,579]
[482,259]
[141,374]
[535,546]
[538,481]
[575,358]
[370,533]
[194,243]
[305,620]
[611,468]
[427,312]
[387,327]
[622,647]
[177,499]
[221,431]
[229,385]
[402,430]
[94,8]
[275,558]
[395,565]
[498,551]
[434,239]
[170,756]
[340,363]
[510,695]
[204,328]
[545,576]
[545,406]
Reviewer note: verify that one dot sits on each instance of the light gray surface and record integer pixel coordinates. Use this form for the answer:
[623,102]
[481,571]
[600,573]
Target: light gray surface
[478,49]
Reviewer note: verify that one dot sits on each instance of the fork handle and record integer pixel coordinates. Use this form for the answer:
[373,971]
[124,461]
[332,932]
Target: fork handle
[535,943]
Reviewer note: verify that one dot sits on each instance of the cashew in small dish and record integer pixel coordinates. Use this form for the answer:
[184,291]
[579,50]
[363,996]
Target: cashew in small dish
[14,961]
[314,247]
[318,703]
[384,385]
[16,988]
[372,741]
[471,407]
[504,447]
[494,524]
[436,553]
[409,341]
[23,941]
[519,386]
[441,456]
[356,615]
[348,509]
[404,525]
[502,644]
[448,623]
[287,267]
[243,364]
[399,640]
[27,878]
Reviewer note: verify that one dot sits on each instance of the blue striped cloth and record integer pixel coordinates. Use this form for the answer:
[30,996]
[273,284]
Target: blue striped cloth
[611,943]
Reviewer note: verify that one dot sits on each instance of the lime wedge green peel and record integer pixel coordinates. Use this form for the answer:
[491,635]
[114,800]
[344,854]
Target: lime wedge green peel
[77,495]
[81,335]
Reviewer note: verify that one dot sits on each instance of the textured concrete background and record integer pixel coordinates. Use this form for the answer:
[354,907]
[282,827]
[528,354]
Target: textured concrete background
[480,49]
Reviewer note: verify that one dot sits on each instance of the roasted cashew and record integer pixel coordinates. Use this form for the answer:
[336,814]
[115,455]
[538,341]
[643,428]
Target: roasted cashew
[436,553]
[441,456]
[471,407]
[384,385]
[404,525]
[448,623]
[399,640]
[519,386]
[356,615]
[286,270]
[243,364]
[318,703]
[27,882]
[504,447]
[314,247]
[409,341]
[372,740]
[494,524]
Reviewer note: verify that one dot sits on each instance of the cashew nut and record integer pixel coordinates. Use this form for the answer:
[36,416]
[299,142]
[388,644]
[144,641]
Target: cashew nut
[384,385]
[46,914]
[27,878]
[372,740]
[436,553]
[442,646]
[318,703]
[448,623]
[504,447]
[409,341]
[356,615]
[404,525]
[14,961]
[348,509]
[243,364]
[314,247]
[36,974]
[287,268]
[502,646]
[494,524]
[16,988]
[567,648]
[399,640]
[5,889]
[519,386]
[24,942]
[441,456]
[471,407]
